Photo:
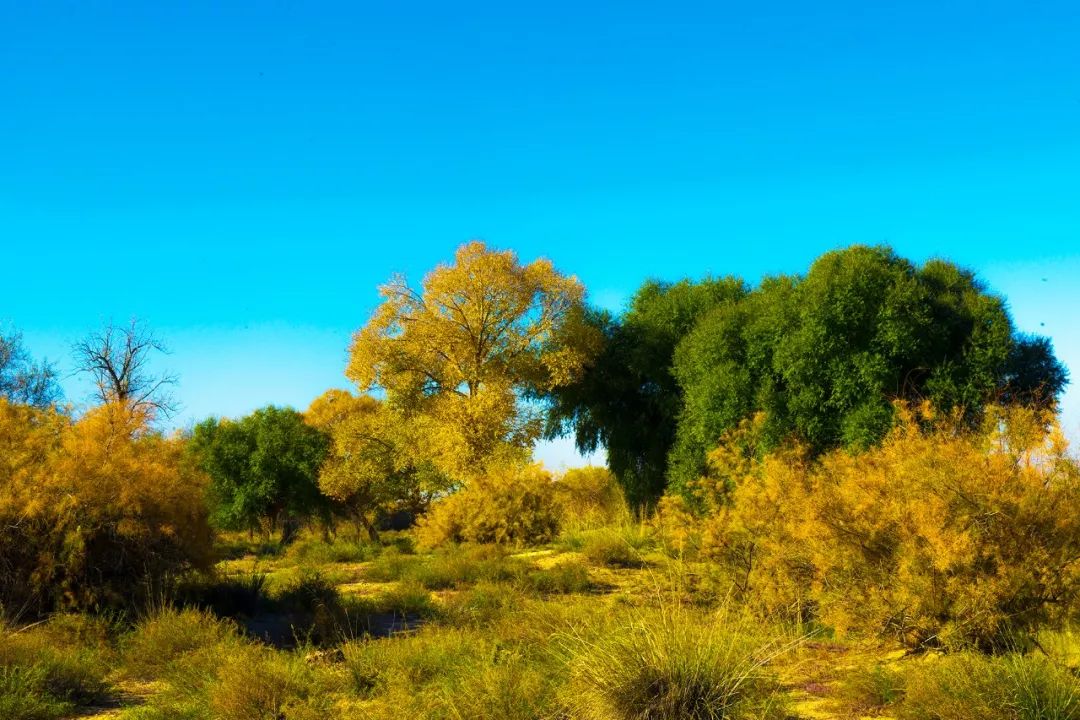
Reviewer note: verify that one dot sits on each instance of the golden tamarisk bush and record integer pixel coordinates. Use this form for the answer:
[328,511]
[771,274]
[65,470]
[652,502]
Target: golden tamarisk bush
[93,512]
[940,536]
[590,497]
[508,505]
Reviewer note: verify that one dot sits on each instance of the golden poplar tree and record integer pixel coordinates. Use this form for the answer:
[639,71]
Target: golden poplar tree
[458,356]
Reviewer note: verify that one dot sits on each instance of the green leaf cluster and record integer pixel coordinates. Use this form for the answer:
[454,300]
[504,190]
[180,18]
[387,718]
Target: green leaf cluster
[264,468]
[822,357]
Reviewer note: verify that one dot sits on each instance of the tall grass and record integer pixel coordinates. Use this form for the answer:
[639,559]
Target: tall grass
[205,669]
[462,566]
[49,669]
[318,551]
[444,673]
[673,664]
[968,686]
[625,546]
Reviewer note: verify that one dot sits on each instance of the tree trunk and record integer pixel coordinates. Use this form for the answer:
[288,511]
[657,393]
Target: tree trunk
[289,528]
[373,534]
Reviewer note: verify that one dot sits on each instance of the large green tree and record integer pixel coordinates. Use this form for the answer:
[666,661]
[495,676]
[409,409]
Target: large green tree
[627,400]
[264,469]
[825,356]
[820,357]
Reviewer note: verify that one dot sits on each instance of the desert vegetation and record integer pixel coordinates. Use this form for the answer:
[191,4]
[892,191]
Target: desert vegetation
[840,494]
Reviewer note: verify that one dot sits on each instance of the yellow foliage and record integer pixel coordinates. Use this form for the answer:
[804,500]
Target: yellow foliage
[378,459]
[590,497]
[676,526]
[939,536]
[508,505]
[94,511]
[459,353]
[335,406]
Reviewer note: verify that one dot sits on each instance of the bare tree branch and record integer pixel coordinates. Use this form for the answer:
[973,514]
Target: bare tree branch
[118,357]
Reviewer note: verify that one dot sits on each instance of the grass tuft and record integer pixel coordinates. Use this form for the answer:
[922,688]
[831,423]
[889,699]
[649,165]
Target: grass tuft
[674,665]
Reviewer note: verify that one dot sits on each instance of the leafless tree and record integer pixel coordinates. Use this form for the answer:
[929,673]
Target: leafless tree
[118,358]
[21,379]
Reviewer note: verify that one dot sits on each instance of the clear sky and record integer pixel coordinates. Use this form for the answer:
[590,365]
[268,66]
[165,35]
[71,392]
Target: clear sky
[243,175]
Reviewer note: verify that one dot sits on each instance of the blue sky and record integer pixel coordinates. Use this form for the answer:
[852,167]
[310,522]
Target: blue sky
[244,177]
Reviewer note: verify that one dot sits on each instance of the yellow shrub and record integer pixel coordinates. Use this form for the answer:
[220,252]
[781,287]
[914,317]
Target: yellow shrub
[590,497]
[678,530]
[938,536]
[94,512]
[509,505]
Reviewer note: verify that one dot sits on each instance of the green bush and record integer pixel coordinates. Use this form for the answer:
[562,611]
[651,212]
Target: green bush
[23,695]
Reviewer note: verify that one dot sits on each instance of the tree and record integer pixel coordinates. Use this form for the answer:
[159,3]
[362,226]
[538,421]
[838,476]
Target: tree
[825,356]
[461,355]
[118,360]
[374,465]
[627,400]
[21,379]
[263,468]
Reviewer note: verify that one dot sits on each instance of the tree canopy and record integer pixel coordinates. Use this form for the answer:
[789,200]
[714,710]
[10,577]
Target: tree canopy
[263,468]
[627,400]
[22,379]
[375,464]
[461,354]
[825,356]
[822,357]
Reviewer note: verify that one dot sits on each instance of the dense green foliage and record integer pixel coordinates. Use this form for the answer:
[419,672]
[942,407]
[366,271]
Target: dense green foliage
[628,401]
[825,356]
[264,469]
[822,356]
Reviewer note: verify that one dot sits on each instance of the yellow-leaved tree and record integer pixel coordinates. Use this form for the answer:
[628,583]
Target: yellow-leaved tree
[377,464]
[458,357]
